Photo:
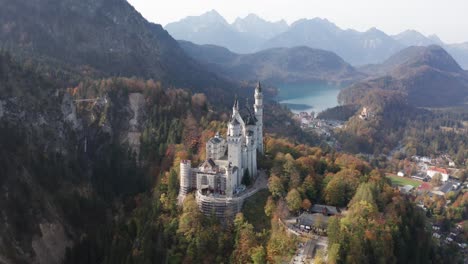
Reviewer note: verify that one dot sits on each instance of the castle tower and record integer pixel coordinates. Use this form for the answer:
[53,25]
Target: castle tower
[234,139]
[229,181]
[258,107]
[250,149]
[185,176]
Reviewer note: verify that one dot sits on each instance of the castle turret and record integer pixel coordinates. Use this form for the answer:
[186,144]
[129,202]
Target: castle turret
[185,176]
[234,140]
[258,107]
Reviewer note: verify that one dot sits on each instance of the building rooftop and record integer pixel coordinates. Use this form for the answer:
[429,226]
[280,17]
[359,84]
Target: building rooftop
[447,187]
[317,220]
[440,170]
[406,188]
[324,209]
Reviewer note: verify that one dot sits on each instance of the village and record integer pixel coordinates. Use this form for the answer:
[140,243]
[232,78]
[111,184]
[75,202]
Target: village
[435,181]
[322,127]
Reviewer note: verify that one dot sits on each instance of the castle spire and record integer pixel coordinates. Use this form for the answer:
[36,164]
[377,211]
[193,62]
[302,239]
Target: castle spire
[258,89]
[236,105]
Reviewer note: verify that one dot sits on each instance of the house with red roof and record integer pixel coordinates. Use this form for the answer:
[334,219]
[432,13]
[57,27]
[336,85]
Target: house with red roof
[434,170]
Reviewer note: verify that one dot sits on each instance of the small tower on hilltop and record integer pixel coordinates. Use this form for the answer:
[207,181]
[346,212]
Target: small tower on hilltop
[258,107]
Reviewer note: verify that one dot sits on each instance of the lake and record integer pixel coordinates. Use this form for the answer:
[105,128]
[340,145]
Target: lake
[308,97]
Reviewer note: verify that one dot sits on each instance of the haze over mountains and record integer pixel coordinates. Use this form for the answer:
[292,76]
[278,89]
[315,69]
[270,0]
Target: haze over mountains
[243,36]
[357,48]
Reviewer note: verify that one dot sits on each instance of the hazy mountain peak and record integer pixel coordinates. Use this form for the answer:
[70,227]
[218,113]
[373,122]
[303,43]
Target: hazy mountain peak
[214,15]
[412,37]
[253,17]
[317,23]
[210,17]
[254,25]
[375,32]
[436,39]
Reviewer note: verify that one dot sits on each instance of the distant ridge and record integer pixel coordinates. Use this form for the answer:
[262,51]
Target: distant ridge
[252,34]
[426,76]
[278,65]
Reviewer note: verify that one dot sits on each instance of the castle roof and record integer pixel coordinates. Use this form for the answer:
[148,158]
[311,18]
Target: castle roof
[234,121]
[215,140]
[209,164]
[250,120]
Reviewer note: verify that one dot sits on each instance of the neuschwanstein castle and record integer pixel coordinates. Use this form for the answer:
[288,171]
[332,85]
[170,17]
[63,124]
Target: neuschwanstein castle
[227,159]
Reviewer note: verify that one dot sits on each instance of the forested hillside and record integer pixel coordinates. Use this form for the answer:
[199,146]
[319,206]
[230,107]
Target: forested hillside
[393,123]
[67,166]
[427,76]
[78,161]
[102,38]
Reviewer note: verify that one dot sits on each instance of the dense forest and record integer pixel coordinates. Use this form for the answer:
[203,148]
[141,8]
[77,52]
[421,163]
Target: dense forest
[300,176]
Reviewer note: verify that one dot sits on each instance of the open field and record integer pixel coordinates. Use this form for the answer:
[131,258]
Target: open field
[402,181]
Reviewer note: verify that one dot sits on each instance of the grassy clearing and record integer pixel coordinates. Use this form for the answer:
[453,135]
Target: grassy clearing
[402,181]
[254,211]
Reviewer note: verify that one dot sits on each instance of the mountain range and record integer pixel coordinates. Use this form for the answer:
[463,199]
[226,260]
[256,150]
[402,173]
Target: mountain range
[252,34]
[243,36]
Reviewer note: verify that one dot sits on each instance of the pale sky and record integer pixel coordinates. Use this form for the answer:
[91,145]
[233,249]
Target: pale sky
[446,18]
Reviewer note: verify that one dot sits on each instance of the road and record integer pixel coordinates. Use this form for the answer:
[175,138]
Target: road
[260,183]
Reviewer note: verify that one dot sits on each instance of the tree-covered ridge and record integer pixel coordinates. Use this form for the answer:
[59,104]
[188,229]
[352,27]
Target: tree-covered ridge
[425,76]
[393,122]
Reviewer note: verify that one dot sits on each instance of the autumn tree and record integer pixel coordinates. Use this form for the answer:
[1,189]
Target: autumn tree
[245,240]
[306,204]
[294,201]
[270,206]
[259,255]
[275,186]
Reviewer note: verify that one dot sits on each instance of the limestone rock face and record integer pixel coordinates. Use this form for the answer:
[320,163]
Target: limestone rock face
[51,245]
